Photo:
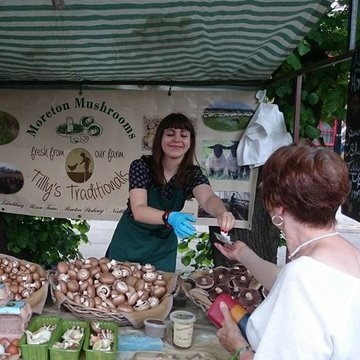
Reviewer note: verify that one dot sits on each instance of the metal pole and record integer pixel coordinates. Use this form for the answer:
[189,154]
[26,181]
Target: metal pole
[297,108]
[353,14]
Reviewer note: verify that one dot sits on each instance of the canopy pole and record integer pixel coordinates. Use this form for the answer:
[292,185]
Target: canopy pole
[297,108]
[352,25]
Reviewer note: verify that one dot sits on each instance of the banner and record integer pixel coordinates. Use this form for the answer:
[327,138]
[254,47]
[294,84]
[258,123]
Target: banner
[67,154]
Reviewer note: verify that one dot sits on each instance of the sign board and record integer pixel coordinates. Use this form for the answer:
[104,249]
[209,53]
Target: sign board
[65,154]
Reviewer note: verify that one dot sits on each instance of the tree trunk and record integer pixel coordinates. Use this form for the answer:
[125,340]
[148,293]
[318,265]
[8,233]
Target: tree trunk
[263,238]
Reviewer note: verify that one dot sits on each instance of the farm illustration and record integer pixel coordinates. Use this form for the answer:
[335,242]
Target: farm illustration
[79,165]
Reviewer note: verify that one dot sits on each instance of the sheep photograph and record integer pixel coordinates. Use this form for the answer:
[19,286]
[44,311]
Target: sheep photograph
[220,161]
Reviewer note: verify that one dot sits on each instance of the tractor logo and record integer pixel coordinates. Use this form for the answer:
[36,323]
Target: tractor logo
[79,132]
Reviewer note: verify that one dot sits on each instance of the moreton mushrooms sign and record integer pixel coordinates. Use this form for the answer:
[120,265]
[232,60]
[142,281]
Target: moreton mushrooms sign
[65,154]
[352,145]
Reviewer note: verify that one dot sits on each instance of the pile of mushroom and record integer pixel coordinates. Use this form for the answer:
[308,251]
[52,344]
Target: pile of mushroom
[110,285]
[21,278]
[237,281]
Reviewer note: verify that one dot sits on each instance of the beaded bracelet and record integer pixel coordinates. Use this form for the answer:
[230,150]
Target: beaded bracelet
[239,351]
[165,218]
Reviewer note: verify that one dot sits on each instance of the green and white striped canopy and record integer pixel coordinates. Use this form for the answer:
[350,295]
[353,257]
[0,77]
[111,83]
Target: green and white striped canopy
[151,41]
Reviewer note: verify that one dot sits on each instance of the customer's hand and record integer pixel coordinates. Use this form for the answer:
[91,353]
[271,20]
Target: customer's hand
[181,224]
[229,335]
[226,221]
[237,251]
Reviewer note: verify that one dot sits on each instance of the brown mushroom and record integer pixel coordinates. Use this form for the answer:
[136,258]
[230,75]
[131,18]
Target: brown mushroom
[83,274]
[249,297]
[132,297]
[158,291]
[103,291]
[141,305]
[204,282]
[221,275]
[125,308]
[242,281]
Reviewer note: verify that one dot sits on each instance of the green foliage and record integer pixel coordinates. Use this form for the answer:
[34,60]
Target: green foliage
[196,251]
[45,240]
[324,91]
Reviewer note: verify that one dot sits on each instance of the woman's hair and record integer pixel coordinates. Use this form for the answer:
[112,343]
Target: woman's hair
[174,121]
[309,182]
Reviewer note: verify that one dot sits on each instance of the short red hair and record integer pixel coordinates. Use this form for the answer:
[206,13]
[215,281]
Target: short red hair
[309,182]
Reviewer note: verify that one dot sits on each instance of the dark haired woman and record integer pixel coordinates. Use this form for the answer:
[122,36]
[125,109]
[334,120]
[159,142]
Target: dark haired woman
[312,311]
[159,185]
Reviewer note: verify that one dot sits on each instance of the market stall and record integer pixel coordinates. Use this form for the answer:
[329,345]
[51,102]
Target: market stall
[106,309]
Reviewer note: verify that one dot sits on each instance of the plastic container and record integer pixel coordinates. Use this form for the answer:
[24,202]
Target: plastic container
[39,351]
[102,355]
[61,354]
[155,328]
[238,313]
[182,328]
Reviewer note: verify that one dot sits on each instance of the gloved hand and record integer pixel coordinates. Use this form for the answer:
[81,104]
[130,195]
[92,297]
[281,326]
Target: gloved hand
[181,224]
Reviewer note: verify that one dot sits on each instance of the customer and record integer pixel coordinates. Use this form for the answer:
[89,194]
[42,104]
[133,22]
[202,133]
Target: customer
[159,185]
[312,311]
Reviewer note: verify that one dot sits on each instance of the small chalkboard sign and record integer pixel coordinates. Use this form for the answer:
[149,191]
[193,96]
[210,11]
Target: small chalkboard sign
[351,207]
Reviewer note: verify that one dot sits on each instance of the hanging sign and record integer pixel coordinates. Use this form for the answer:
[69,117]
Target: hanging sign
[65,154]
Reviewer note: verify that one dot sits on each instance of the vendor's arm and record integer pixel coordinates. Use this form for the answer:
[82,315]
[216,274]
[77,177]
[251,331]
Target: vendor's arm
[264,271]
[141,211]
[214,206]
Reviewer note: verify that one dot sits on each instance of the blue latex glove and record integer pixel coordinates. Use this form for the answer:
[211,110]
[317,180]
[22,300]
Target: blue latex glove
[181,224]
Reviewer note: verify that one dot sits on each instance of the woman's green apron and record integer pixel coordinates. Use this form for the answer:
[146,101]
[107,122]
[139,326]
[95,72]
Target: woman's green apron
[143,243]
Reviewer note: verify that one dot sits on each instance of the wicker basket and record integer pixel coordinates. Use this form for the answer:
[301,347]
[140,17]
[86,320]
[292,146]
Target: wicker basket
[38,298]
[136,318]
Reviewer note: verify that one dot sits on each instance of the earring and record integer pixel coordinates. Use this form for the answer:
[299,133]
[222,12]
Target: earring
[277,220]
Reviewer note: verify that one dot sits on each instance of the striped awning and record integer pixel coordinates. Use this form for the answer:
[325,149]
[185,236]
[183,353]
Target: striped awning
[151,41]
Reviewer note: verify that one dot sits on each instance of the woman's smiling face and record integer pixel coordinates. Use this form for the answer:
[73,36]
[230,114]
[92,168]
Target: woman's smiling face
[175,142]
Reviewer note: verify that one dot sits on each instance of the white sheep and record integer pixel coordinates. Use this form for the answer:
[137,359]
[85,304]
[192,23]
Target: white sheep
[216,161]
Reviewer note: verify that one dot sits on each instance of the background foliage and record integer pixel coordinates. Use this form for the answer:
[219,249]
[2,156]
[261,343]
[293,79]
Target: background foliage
[324,91]
[44,240]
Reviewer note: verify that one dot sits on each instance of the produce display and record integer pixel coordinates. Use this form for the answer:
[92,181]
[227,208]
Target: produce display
[110,285]
[101,339]
[204,286]
[21,277]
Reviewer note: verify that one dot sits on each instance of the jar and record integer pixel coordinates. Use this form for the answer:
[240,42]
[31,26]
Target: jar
[155,328]
[182,328]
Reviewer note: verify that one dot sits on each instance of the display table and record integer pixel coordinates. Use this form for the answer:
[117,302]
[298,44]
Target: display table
[204,338]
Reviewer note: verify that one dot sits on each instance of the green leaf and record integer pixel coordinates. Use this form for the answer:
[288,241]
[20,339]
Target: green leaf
[186,260]
[183,246]
[312,132]
[294,61]
[303,48]
[312,98]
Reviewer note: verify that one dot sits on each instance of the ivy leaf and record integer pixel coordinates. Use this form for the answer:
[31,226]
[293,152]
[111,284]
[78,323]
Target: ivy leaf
[183,246]
[186,260]
[294,61]
[303,48]
[200,246]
